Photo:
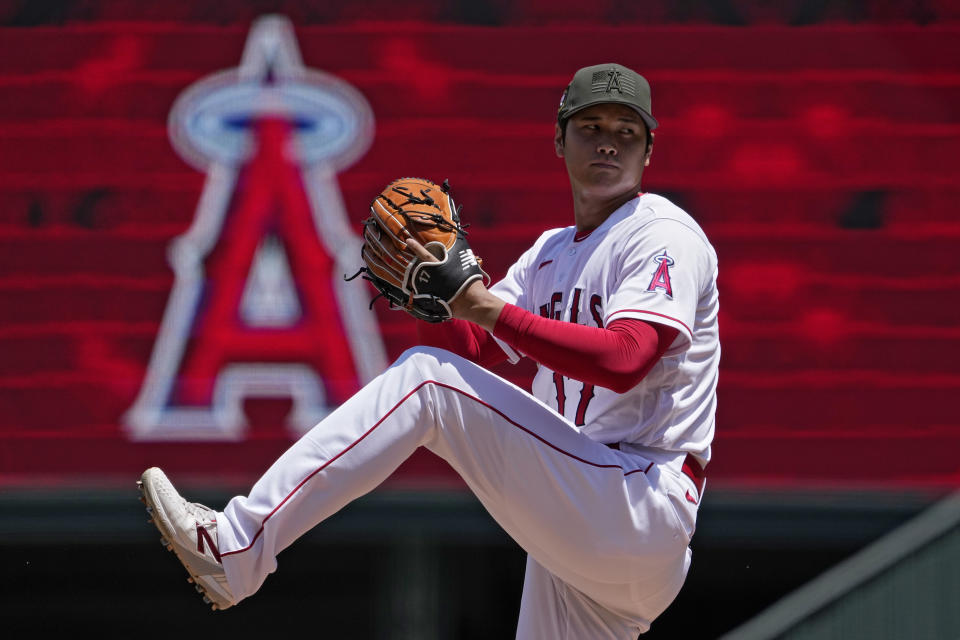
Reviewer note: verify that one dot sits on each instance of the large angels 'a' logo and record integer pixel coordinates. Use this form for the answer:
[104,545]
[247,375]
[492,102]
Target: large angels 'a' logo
[259,307]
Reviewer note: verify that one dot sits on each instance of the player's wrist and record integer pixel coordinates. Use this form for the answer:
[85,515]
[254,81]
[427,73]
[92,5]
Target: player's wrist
[478,305]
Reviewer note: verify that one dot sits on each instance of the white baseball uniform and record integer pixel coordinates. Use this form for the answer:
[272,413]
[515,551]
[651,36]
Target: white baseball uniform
[606,529]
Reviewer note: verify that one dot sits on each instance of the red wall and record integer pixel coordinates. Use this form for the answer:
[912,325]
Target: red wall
[823,162]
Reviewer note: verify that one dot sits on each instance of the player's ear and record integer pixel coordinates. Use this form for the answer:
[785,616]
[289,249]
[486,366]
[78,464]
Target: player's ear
[558,139]
[646,159]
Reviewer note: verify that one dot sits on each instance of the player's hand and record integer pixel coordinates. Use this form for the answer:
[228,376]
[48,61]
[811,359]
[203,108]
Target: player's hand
[475,303]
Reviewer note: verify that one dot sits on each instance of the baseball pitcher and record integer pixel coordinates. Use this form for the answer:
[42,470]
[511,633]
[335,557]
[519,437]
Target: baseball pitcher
[599,472]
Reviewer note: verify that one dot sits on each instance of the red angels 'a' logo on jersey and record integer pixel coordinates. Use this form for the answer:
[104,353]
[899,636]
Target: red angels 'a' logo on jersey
[259,307]
[661,277]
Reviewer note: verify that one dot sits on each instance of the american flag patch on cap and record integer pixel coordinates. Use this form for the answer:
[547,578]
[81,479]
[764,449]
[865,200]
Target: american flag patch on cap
[610,80]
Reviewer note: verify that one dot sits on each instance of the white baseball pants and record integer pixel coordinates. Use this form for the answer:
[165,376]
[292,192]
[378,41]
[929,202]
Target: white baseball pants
[604,529]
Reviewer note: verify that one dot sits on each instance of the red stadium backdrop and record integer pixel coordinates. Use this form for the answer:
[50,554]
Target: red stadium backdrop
[179,204]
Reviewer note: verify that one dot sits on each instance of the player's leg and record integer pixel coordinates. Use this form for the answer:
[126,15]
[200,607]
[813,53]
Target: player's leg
[230,553]
[587,513]
[597,518]
[550,608]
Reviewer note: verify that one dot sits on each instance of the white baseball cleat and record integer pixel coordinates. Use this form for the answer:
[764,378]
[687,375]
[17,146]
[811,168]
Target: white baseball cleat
[189,530]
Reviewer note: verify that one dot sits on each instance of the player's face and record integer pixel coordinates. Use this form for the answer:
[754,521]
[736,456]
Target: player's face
[605,150]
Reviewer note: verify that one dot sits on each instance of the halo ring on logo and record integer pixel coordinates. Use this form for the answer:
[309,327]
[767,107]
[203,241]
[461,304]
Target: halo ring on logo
[332,121]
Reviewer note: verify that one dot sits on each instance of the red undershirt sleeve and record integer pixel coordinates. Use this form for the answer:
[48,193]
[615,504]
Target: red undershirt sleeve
[616,357]
[463,338]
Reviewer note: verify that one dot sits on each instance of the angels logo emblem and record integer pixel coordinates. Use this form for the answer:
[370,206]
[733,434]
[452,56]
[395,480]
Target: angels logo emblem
[258,306]
[661,277]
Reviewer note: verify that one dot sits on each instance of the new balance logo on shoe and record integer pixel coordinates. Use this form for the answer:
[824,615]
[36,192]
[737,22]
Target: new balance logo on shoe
[203,534]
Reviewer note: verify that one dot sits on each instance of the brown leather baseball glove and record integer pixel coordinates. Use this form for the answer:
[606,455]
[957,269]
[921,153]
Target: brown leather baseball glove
[423,287]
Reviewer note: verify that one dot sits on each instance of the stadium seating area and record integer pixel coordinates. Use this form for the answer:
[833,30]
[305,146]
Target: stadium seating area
[823,162]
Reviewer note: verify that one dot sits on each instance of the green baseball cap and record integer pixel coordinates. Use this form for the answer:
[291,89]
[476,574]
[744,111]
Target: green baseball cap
[607,83]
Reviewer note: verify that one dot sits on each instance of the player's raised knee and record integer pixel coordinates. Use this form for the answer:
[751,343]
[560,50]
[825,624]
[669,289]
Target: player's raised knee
[431,359]
[426,356]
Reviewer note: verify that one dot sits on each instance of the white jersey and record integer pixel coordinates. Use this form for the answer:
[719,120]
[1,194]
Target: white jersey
[651,261]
